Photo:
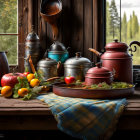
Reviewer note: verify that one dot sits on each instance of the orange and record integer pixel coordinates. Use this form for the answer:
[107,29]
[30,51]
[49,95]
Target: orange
[6,91]
[30,77]
[34,82]
[22,92]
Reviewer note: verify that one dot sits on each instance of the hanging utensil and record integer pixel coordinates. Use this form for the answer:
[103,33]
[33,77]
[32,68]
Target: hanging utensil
[50,11]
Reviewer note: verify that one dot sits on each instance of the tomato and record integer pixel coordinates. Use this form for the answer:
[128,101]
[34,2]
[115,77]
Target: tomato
[30,77]
[26,73]
[22,92]
[6,91]
[69,79]
[10,79]
[34,82]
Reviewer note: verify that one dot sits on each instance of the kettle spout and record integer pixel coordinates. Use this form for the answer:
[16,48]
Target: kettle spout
[96,52]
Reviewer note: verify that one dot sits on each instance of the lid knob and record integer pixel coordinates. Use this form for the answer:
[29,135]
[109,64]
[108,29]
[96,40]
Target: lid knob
[115,40]
[99,64]
[78,54]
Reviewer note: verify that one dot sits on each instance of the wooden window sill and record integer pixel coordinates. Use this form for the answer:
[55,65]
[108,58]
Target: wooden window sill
[16,114]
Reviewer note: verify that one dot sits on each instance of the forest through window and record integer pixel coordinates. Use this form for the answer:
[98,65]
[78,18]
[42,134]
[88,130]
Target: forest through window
[9,29]
[123,23]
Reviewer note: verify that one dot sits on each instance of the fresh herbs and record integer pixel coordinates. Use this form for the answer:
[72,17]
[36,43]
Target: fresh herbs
[103,85]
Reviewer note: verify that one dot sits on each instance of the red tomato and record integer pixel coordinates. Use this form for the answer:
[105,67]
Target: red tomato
[26,73]
[69,79]
[10,79]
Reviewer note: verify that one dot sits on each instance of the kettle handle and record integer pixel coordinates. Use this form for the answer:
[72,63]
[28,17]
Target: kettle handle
[94,51]
[135,48]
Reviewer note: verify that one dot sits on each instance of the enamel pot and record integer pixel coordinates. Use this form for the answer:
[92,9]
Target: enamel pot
[98,75]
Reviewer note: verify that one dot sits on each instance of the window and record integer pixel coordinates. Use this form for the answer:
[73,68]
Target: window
[9,29]
[123,23]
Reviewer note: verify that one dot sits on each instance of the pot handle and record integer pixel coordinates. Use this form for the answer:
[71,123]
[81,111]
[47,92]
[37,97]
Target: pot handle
[135,48]
[96,52]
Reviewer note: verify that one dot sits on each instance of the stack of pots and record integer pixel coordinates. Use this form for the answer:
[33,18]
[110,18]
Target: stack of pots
[32,49]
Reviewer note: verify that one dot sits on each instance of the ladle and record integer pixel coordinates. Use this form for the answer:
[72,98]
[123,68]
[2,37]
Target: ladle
[50,11]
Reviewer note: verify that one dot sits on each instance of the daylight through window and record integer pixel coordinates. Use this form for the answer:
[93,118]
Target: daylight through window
[9,29]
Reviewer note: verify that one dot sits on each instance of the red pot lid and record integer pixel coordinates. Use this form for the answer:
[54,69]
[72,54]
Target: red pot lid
[99,71]
[116,45]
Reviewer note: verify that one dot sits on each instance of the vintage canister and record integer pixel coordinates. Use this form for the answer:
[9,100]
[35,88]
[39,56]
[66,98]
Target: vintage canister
[47,67]
[77,66]
[33,49]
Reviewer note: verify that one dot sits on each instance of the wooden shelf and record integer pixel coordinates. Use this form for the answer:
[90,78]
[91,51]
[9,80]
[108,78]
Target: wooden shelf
[16,114]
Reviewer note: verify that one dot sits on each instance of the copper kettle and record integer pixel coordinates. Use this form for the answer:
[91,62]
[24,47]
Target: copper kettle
[116,58]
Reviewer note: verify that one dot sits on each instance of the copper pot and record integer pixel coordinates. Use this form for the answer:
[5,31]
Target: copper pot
[117,58]
[98,75]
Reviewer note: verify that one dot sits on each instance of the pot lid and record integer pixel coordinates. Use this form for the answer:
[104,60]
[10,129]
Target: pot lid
[77,61]
[57,47]
[116,45]
[99,70]
[46,62]
[32,36]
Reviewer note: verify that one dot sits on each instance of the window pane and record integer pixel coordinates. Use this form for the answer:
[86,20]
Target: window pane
[8,16]
[128,28]
[131,24]
[9,44]
[112,20]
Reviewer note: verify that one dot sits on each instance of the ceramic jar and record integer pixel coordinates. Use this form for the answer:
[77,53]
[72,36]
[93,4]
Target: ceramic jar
[4,67]
[98,75]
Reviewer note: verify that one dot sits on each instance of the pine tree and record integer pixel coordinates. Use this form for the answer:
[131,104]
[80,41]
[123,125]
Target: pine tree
[115,20]
[124,28]
[129,28]
[135,24]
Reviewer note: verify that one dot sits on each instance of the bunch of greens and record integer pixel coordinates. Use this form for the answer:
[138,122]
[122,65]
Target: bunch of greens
[23,83]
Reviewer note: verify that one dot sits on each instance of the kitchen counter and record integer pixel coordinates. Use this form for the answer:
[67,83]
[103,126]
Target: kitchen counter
[16,114]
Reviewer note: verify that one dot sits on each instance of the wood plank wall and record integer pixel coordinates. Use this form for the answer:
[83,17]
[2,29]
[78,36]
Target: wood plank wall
[80,25]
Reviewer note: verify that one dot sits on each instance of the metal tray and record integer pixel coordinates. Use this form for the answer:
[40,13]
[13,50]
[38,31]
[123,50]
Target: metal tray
[63,90]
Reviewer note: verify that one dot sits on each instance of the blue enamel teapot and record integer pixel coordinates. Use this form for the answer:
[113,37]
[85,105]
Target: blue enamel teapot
[58,52]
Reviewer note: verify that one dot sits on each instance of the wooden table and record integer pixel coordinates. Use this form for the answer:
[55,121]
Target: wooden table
[16,114]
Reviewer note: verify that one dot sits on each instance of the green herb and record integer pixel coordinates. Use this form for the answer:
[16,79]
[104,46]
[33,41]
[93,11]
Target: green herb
[22,83]
[32,93]
[39,75]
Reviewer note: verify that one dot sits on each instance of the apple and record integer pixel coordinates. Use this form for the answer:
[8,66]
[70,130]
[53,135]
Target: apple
[10,79]
[69,79]
[26,73]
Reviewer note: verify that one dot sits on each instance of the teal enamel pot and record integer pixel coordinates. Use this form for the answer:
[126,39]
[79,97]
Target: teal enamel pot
[58,52]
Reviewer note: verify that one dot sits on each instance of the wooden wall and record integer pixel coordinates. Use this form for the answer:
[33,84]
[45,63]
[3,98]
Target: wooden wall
[80,25]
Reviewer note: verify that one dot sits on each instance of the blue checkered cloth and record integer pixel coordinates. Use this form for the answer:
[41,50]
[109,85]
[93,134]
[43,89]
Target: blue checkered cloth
[86,119]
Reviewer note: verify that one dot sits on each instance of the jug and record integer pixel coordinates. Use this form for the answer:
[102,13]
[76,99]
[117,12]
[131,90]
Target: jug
[4,67]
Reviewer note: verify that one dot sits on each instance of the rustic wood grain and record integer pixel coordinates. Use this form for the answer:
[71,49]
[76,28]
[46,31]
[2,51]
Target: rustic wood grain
[88,34]
[36,115]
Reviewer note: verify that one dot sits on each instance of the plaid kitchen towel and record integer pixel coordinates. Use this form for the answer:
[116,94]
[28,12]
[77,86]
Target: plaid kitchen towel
[87,119]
